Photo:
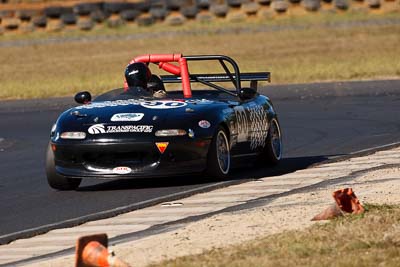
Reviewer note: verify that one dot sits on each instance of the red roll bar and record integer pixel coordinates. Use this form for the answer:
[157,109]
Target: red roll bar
[163,61]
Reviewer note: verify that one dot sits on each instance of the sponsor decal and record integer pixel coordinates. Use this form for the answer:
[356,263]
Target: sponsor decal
[163,104]
[242,124]
[127,117]
[162,146]
[122,170]
[252,125]
[101,129]
[258,125]
[199,101]
[97,129]
[204,124]
[116,103]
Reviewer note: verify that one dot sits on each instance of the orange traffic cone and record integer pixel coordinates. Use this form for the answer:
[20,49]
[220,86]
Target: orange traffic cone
[345,202]
[91,251]
[331,212]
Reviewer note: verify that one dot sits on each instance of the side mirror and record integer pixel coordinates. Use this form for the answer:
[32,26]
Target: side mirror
[83,97]
[247,93]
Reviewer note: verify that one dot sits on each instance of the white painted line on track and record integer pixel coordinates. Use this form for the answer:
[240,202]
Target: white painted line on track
[374,148]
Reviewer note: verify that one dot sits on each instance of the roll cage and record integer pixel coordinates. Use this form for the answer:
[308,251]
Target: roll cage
[180,72]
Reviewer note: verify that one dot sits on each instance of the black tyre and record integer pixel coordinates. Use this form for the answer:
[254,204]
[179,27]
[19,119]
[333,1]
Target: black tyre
[55,180]
[84,9]
[26,14]
[99,16]
[272,152]
[117,7]
[143,6]
[311,5]
[219,10]
[173,4]
[189,11]
[219,156]
[68,19]
[145,20]
[130,14]
[11,23]
[158,13]
[235,3]
[374,3]
[55,12]
[280,6]
[40,21]
[203,4]
[341,4]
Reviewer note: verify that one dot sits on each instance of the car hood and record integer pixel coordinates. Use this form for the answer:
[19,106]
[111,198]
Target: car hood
[138,117]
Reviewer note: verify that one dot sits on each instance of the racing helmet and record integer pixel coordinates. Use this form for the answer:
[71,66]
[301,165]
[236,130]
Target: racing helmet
[137,74]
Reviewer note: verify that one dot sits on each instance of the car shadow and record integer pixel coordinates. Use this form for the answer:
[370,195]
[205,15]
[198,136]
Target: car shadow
[249,172]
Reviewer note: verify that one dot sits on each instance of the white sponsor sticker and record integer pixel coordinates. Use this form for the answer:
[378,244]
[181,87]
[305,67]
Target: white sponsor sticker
[242,124]
[111,104]
[122,170]
[199,101]
[101,129]
[163,104]
[127,117]
[204,124]
[97,129]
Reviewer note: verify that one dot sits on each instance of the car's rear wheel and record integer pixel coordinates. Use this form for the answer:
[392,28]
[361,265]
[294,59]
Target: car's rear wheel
[272,152]
[55,180]
[219,157]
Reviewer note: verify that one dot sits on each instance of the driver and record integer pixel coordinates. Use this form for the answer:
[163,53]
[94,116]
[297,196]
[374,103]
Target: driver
[137,76]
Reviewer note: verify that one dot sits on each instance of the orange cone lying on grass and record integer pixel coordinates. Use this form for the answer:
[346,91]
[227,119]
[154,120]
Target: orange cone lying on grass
[91,251]
[345,202]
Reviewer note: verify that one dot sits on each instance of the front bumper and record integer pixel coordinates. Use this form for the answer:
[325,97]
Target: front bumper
[143,159]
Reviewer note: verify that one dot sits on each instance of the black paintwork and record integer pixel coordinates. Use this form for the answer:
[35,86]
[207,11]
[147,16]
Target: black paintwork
[99,153]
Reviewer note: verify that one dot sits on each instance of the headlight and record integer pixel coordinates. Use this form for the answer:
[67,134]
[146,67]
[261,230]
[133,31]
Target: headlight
[73,135]
[171,132]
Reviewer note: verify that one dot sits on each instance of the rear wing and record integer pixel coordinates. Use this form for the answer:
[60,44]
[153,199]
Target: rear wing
[220,77]
[210,79]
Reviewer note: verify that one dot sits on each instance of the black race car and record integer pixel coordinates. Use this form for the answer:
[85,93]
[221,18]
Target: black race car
[185,131]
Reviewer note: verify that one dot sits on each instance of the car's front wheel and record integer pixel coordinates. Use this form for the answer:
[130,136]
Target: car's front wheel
[219,156]
[55,180]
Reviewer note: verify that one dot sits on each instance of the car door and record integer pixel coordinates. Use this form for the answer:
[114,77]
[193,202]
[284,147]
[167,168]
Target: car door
[251,125]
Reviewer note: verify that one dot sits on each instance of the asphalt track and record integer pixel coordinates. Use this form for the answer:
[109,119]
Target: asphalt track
[319,121]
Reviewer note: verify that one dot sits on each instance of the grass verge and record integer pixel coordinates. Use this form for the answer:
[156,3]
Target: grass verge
[371,239]
[297,50]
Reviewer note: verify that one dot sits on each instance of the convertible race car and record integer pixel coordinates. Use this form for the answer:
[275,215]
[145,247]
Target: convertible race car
[185,131]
